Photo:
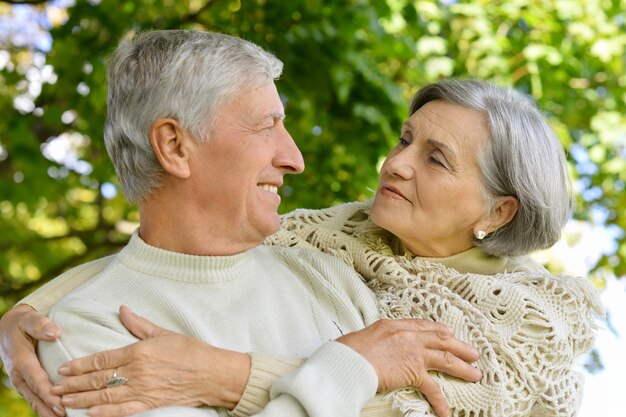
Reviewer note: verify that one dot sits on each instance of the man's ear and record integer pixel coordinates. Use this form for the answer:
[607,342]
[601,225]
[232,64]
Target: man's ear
[173,146]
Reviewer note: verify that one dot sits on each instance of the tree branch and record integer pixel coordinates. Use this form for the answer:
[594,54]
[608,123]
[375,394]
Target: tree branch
[24,1]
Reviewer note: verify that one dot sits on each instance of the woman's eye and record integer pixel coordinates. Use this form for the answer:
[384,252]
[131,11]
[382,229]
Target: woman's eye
[403,142]
[436,161]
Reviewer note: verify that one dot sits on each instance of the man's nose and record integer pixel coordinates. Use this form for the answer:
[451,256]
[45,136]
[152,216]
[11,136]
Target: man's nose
[289,156]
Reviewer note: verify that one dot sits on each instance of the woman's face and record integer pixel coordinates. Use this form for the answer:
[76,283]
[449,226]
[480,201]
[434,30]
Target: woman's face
[429,194]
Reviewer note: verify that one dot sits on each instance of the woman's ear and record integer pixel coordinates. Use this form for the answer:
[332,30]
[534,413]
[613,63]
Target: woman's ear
[173,146]
[503,213]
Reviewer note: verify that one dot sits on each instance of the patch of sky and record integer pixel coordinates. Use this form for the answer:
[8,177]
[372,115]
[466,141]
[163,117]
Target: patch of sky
[584,165]
[64,150]
[592,194]
[316,131]
[108,190]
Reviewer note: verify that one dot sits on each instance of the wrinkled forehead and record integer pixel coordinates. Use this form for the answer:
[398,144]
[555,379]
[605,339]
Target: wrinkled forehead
[450,121]
[253,106]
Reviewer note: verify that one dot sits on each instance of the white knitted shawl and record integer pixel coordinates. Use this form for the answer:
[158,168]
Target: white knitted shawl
[527,326]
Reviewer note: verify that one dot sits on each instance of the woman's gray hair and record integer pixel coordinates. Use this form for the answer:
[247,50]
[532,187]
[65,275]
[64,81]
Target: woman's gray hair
[182,74]
[523,158]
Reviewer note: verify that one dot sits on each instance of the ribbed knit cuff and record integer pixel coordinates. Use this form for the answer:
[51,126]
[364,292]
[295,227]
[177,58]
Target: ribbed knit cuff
[335,381]
[264,371]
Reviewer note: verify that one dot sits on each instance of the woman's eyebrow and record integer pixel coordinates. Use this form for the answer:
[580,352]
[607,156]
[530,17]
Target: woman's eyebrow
[448,151]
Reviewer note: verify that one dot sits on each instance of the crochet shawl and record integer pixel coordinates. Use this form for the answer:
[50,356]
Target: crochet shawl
[528,326]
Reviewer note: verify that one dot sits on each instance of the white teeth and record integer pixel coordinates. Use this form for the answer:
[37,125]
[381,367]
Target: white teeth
[270,188]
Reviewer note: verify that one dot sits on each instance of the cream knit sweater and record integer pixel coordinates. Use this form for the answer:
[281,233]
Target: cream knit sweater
[277,301]
[528,325]
[526,373]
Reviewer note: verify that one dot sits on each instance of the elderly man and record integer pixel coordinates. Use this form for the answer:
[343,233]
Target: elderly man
[195,131]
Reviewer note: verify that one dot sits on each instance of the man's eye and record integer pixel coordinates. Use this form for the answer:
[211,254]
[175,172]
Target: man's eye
[403,142]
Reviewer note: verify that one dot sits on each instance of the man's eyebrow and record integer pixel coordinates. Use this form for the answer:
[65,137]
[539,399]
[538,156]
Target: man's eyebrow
[272,116]
[276,115]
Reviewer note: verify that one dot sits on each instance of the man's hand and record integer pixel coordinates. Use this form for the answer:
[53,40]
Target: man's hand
[20,329]
[403,351]
[163,369]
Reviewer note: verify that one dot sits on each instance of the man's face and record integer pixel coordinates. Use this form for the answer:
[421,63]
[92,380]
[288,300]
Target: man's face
[237,172]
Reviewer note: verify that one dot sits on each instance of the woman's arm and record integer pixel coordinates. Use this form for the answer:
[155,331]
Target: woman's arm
[165,368]
[46,296]
[334,373]
[21,328]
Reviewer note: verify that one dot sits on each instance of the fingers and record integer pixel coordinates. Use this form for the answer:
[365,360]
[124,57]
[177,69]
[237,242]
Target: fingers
[448,363]
[138,326]
[117,410]
[440,337]
[37,326]
[112,359]
[87,382]
[114,395]
[37,383]
[107,360]
[39,406]
[446,353]
[432,391]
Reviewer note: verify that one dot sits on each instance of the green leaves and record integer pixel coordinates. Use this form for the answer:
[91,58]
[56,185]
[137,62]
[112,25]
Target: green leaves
[350,68]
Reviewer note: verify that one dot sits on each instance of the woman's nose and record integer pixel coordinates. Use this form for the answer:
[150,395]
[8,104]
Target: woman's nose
[399,165]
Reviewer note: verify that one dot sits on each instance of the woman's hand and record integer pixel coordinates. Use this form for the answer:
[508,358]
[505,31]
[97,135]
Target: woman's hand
[403,351]
[163,369]
[20,329]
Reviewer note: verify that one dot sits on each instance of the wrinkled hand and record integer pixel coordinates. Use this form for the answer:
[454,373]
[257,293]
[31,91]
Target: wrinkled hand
[163,369]
[403,351]
[20,329]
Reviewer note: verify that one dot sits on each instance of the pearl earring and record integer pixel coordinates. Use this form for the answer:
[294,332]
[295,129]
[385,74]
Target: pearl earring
[480,235]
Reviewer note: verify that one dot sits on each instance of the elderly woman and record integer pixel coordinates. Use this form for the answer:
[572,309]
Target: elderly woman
[476,181]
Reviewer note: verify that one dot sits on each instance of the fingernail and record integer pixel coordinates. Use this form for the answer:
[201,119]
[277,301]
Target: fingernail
[58,411]
[50,331]
[67,401]
[63,370]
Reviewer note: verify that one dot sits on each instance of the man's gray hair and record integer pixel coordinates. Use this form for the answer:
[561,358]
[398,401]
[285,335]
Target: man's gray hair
[522,158]
[182,74]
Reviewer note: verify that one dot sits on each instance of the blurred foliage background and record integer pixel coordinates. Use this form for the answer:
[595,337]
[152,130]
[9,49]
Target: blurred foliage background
[350,67]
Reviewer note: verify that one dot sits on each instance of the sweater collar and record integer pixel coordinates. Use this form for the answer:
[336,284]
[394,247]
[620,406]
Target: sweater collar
[140,256]
[471,261]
